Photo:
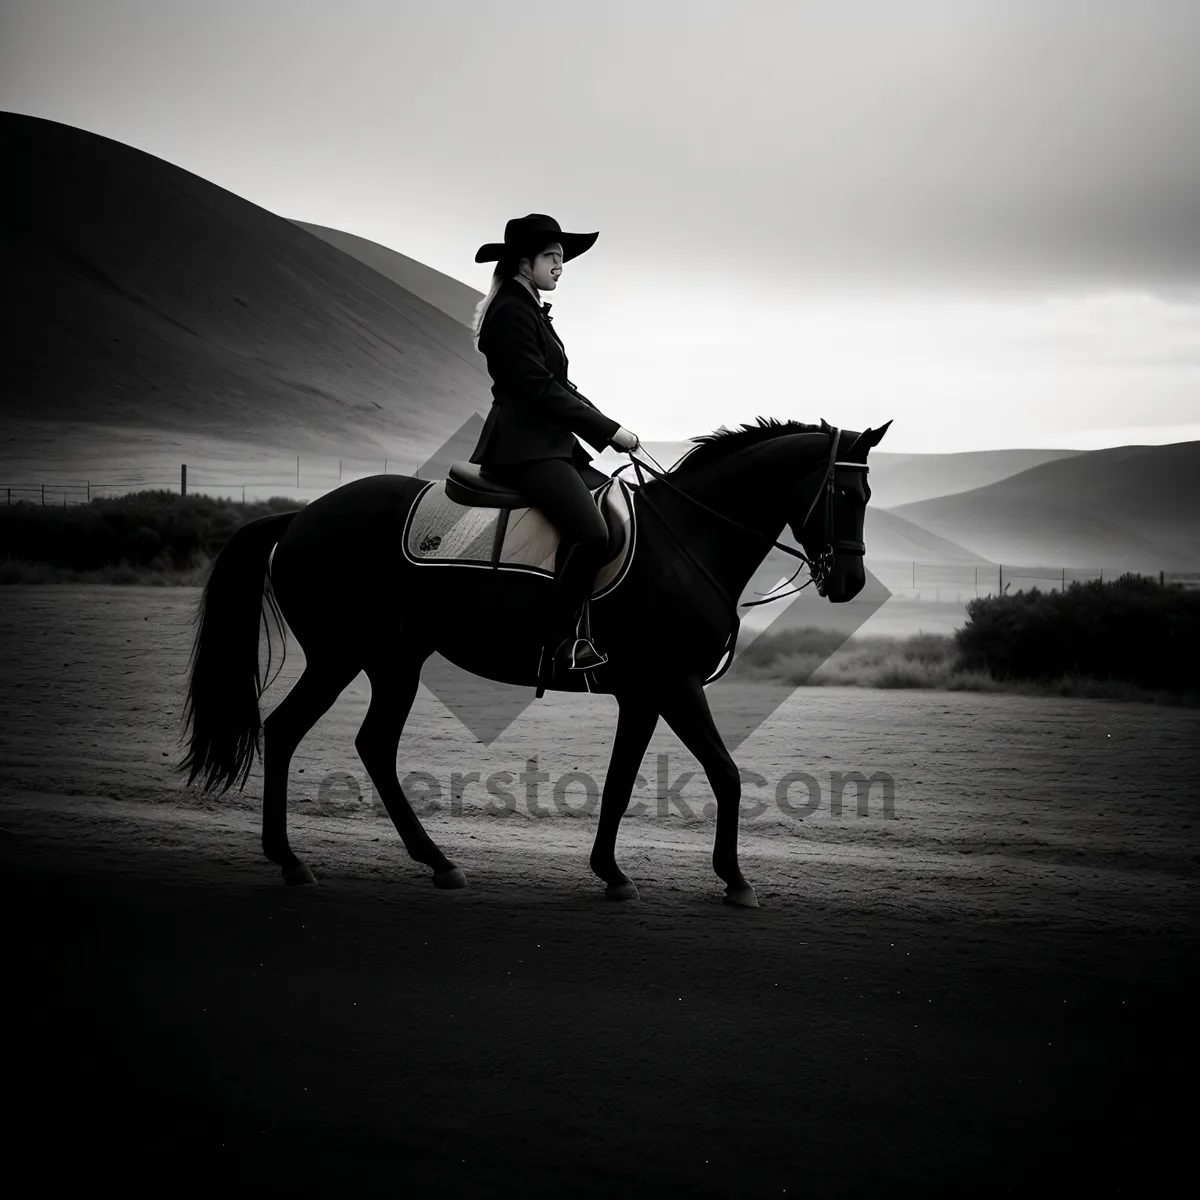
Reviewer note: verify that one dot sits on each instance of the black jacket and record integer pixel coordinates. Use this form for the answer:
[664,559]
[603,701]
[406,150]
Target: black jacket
[536,409]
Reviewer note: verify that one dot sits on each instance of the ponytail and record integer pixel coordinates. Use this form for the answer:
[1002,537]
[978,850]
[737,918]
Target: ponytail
[506,268]
[481,308]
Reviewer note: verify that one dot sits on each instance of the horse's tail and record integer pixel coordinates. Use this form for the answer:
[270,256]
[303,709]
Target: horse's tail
[225,683]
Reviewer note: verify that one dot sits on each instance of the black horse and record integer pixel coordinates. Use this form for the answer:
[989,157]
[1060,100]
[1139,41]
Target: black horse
[702,530]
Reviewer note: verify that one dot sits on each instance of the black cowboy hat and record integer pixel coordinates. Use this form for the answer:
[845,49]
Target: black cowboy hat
[535,232]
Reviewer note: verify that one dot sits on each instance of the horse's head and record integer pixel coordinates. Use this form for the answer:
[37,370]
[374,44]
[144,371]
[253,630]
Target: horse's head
[829,525]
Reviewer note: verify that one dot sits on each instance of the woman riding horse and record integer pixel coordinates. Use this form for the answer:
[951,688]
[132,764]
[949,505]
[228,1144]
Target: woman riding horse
[528,440]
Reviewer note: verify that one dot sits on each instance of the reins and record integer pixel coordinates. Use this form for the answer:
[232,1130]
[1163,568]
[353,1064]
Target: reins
[816,569]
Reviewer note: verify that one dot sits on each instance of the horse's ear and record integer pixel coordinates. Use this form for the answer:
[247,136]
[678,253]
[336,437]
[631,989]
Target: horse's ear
[869,438]
[863,440]
[877,435]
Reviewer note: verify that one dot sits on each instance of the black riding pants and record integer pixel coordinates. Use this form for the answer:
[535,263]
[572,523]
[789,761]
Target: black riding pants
[554,486]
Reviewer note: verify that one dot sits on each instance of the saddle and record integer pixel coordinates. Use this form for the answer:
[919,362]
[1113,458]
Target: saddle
[471,519]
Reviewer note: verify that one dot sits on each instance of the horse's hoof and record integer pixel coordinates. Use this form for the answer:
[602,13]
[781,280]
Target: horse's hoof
[299,876]
[625,890]
[741,898]
[454,878]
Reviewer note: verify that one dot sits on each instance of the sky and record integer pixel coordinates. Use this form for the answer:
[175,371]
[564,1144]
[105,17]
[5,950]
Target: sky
[977,218]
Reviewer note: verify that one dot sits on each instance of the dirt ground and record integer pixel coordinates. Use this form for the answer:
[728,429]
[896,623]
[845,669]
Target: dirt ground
[988,988]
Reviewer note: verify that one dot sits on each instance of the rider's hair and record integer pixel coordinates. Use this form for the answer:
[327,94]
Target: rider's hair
[506,268]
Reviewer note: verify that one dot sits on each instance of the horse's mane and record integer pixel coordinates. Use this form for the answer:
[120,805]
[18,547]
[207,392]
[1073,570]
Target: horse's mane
[711,447]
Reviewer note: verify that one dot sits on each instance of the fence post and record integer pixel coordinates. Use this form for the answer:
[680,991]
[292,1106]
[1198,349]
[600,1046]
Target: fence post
[89,490]
[243,493]
[43,495]
[183,479]
[385,462]
[1001,583]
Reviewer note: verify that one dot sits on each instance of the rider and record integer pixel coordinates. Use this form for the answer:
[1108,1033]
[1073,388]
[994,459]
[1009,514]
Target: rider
[528,440]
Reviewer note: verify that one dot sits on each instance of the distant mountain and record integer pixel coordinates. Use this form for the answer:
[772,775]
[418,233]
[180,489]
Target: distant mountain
[150,298]
[903,478]
[889,537]
[1135,507]
[1132,507]
[906,478]
[892,538]
[455,299]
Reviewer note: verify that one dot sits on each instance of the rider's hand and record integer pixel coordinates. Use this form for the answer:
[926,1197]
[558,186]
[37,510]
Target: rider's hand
[624,440]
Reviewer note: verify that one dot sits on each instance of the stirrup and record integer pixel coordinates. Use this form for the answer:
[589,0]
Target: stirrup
[575,652]
[566,655]
[582,655]
[582,648]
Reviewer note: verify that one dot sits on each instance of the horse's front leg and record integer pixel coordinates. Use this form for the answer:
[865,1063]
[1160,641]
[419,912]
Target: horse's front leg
[686,710]
[635,725]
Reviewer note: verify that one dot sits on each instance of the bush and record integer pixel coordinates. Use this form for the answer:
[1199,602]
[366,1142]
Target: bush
[821,656]
[769,648]
[161,530]
[1129,629]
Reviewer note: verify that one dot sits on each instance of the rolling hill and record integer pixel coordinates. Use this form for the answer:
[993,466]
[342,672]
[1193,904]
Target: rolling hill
[152,310]
[893,538]
[455,299]
[151,298]
[906,478]
[889,537]
[1132,507]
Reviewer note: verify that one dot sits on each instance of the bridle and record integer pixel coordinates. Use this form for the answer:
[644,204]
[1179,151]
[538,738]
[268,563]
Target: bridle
[819,571]
[819,567]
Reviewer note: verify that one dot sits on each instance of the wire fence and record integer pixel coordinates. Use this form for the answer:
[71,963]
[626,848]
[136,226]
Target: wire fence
[947,583]
[305,480]
[950,583]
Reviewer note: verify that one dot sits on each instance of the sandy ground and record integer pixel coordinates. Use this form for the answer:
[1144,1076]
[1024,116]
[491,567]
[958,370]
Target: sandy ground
[990,990]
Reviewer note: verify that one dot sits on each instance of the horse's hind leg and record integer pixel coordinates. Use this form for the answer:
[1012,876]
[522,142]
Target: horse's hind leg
[394,682]
[314,693]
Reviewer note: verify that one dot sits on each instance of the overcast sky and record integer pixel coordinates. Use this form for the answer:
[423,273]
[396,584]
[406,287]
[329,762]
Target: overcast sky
[978,217]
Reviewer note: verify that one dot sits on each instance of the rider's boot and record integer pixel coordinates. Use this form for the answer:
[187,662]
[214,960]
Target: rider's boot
[571,638]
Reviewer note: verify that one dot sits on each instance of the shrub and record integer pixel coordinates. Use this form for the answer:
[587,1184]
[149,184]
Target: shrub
[159,529]
[769,648]
[821,656]
[1128,629]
